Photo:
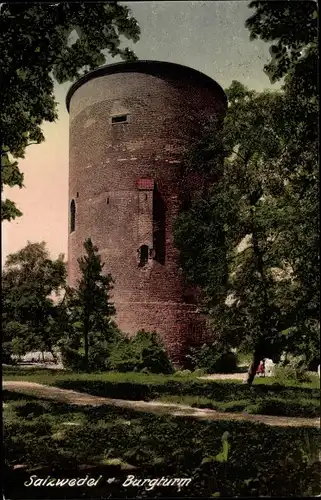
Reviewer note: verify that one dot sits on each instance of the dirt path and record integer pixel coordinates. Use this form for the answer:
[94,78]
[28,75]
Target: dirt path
[225,376]
[83,399]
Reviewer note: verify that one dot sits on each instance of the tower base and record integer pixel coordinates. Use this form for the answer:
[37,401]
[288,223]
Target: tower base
[178,325]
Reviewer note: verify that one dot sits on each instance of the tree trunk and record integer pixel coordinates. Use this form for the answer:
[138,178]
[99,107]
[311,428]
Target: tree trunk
[86,344]
[55,358]
[257,357]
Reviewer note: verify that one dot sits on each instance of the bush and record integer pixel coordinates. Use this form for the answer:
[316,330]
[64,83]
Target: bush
[212,359]
[122,357]
[182,373]
[99,356]
[143,352]
[286,373]
[72,359]
[6,354]
[199,372]
[288,408]
[100,347]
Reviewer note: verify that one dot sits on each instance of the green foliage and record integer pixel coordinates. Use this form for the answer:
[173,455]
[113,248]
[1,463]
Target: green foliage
[212,358]
[72,359]
[254,283]
[293,29]
[143,352]
[169,447]
[29,280]
[273,399]
[55,42]
[15,340]
[182,373]
[250,236]
[199,372]
[89,311]
[258,404]
[283,373]
[288,408]
[303,342]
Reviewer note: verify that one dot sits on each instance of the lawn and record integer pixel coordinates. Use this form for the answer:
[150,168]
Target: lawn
[63,440]
[267,397]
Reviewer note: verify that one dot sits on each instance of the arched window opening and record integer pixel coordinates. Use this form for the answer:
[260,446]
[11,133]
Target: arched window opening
[143,255]
[159,225]
[72,216]
[189,298]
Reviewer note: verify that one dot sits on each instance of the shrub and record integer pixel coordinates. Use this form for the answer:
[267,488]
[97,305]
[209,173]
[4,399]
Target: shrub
[99,356]
[144,351]
[212,358]
[72,359]
[199,372]
[100,347]
[6,354]
[122,357]
[182,373]
[286,373]
[288,408]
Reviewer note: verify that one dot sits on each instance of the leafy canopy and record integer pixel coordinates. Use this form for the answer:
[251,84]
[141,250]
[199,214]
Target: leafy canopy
[29,281]
[293,29]
[250,241]
[36,49]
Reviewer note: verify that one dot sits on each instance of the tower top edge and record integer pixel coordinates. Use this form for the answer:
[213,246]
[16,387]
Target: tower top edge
[147,67]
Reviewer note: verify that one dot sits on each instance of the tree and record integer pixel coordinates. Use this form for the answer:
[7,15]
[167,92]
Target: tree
[89,304]
[234,237]
[29,281]
[231,210]
[37,48]
[293,29]
[268,193]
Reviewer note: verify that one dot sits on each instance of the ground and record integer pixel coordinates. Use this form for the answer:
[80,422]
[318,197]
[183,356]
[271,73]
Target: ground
[109,425]
[78,398]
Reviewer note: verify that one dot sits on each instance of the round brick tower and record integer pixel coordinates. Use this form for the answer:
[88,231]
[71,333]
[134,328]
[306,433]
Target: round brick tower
[130,124]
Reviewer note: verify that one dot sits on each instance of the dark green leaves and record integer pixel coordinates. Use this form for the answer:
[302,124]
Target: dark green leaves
[245,239]
[35,48]
[29,279]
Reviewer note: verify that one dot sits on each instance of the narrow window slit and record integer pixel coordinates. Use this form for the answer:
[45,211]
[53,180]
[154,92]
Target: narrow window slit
[72,216]
[119,119]
[143,255]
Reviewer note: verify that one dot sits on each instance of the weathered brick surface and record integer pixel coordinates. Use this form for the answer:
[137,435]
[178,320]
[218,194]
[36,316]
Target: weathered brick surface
[106,161]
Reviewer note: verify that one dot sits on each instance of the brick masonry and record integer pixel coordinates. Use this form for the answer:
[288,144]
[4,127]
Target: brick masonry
[164,104]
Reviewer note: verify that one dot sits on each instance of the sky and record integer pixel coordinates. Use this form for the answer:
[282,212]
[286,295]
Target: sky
[208,36]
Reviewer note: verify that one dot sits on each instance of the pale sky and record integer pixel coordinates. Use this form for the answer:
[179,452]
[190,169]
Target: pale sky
[208,36]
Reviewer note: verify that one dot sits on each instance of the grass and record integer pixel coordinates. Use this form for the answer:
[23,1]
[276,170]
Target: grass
[49,376]
[309,408]
[267,396]
[261,460]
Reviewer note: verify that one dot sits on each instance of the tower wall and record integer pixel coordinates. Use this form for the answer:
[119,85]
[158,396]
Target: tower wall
[125,179]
